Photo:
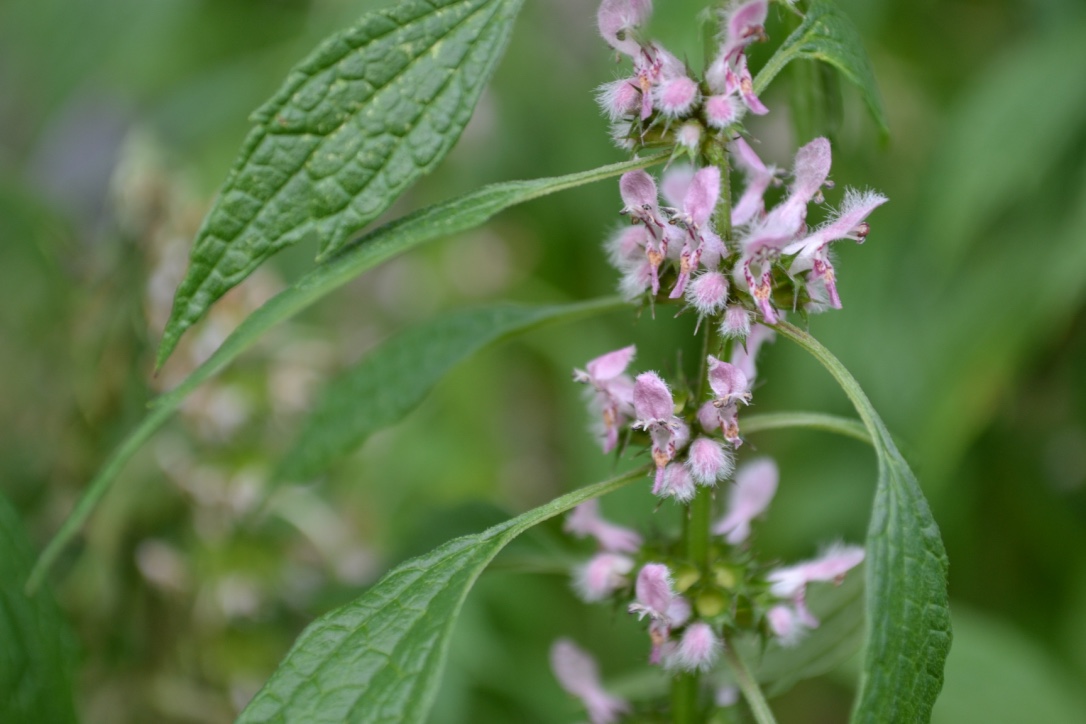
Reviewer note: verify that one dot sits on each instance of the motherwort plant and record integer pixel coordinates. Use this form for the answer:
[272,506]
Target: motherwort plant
[718,233]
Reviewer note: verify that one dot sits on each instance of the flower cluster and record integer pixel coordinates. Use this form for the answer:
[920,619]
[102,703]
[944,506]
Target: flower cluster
[741,264]
[687,614]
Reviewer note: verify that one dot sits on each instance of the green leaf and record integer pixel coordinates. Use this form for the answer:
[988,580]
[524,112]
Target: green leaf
[828,35]
[908,615]
[36,656]
[368,112]
[389,382]
[380,658]
[752,424]
[413,230]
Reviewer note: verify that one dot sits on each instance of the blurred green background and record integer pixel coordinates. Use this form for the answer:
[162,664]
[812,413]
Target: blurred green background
[964,319]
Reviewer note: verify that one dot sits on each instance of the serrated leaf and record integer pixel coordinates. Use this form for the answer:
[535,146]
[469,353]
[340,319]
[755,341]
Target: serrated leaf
[372,109]
[380,658]
[908,614]
[450,217]
[36,655]
[390,381]
[828,35]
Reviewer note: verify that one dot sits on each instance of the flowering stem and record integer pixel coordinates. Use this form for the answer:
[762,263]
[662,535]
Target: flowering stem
[759,708]
[717,154]
[684,698]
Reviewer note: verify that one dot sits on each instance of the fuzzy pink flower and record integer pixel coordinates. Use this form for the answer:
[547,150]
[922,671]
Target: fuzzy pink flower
[689,135]
[722,110]
[832,565]
[736,323]
[766,238]
[620,98]
[676,96]
[585,520]
[677,483]
[730,389]
[755,486]
[848,223]
[639,194]
[579,675]
[708,461]
[698,649]
[785,625]
[708,293]
[744,25]
[655,412]
[601,576]
[653,592]
[613,394]
[697,208]
[619,22]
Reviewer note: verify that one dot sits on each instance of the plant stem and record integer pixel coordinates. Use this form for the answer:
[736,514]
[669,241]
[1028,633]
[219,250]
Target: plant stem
[749,686]
[684,698]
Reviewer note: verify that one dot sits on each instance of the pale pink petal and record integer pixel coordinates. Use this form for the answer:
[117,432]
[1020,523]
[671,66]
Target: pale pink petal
[677,483]
[785,625]
[848,223]
[754,488]
[638,191]
[700,199]
[751,204]
[689,135]
[728,381]
[652,398]
[612,364]
[744,25]
[578,674]
[708,293]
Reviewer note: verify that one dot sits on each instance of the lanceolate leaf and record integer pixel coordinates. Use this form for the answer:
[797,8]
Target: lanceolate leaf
[372,109]
[36,655]
[828,35]
[380,658]
[444,219]
[390,381]
[908,616]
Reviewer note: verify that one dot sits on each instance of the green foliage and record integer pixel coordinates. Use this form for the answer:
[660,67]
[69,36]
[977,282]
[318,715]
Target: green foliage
[36,658]
[444,219]
[908,634]
[390,381]
[380,658]
[828,35]
[372,109]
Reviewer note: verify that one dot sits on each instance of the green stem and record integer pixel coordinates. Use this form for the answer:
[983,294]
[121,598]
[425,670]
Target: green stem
[749,686]
[684,699]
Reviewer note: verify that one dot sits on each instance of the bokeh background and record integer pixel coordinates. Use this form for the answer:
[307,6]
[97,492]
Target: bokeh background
[963,318]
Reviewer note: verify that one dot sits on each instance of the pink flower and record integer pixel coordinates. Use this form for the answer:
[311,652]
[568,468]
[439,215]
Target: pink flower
[677,483]
[755,486]
[708,461]
[585,520]
[848,223]
[730,389]
[698,205]
[639,194]
[613,391]
[744,25]
[698,649]
[676,96]
[653,591]
[736,323]
[722,110]
[708,293]
[619,22]
[766,238]
[791,583]
[578,674]
[689,135]
[619,98]
[656,413]
[601,576]
[832,565]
